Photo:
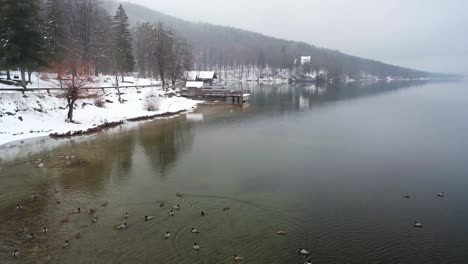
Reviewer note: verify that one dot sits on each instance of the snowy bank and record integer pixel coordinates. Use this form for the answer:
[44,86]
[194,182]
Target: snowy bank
[37,114]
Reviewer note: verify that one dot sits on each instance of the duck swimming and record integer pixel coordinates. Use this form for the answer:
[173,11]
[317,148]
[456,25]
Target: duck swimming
[303,251]
[237,258]
[92,211]
[150,217]
[406,196]
[196,246]
[15,254]
[104,204]
[179,194]
[176,207]
[167,235]
[65,244]
[309,261]
[77,211]
[19,207]
[195,231]
[34,196]
[126,216]
[441,195]
[122,226]
[417,224]
[30,236]
[203,213]
[171,213]
[45,230]
[94,220]
[161,204]
[282,232]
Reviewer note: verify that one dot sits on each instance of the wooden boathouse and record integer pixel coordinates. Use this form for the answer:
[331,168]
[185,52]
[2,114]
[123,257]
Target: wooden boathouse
[199,85]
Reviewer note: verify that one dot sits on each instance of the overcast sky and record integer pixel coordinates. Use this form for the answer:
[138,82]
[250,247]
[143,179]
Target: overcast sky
[423,34]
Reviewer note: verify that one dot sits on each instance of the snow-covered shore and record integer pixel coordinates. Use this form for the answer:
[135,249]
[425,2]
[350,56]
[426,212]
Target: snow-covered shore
[37,114]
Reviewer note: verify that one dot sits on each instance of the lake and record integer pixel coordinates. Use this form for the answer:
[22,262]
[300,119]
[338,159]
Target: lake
[328,164]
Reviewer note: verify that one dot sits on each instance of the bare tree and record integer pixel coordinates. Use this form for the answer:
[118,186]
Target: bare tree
[79,24]
[74,90]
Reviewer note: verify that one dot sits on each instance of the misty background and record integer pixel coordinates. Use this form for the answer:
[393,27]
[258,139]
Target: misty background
[430,35]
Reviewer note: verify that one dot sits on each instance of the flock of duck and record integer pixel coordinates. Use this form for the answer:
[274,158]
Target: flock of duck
[417,223]
[123,226]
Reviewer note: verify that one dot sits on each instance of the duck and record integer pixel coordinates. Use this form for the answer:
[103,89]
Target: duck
[176,207]
[122,226]
[167,235]
[237,258]
[303,251]
[282,232]
[196,246]
[55,190]
[149,217]
[77,211]
[126,216]
[19,207]
[195,231]
[30,236]
[161,204]
[92,211]
[65,220]
[15,254]
[77,236]
[441,195]
[179,194]
[417,224]
[34,196]
[94,220]
[407,196]
[57,202]
[227,208]
[105,203]
[171,213]
[203,213]
[45,230]
[65,244]
[309,261]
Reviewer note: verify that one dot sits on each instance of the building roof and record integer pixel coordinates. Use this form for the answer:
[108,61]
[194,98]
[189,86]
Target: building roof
[203,75]
[192,84]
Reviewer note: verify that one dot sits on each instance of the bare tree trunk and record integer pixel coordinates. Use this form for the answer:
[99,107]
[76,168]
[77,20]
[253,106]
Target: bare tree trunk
[122,77]
[8,75]
[23,78]
[70,109]
[117,86]
[29,76]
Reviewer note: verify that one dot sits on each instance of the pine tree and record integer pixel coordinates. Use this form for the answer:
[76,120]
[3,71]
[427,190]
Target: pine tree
[54,31]
[22,42]
[123,56]
[2,34]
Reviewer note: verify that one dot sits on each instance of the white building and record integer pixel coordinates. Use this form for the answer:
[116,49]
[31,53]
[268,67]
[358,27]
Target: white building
[305,59]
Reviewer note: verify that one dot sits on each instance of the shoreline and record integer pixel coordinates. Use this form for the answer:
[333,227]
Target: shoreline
[97,128]
[107,125]
[43,115]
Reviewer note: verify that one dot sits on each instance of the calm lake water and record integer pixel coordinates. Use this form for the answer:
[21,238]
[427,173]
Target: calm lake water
[330,165]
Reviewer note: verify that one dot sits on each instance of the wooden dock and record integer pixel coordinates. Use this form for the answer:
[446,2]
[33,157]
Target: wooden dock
[230,96]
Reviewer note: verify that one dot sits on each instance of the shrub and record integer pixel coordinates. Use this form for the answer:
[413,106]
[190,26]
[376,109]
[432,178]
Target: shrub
[152,102]
[99,101]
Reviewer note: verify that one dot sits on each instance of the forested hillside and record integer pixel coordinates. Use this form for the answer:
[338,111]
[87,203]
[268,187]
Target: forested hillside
[219,45]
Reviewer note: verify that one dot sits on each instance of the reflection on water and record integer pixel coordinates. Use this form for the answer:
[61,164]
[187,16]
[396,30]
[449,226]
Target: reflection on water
[329,164]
